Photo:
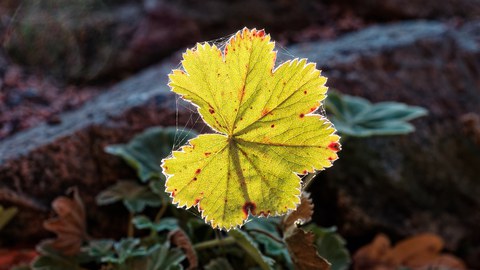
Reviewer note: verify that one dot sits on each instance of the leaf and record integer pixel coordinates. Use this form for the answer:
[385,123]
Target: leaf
[143,222]
[180,239]
[70,224]
[146,150]
[125,249]
[51,259]
[418,252]
[355,116]
[266,131]
[251,248]
[134,196]
[162,258]
[304,255]
[6,215]
[218,264]
[331,246]
[300,244]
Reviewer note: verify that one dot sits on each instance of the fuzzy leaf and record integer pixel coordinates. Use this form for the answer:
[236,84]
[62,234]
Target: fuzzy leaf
[146,150]
[143,222]
[267,131]
[355,116]
[251,248]
[134,196]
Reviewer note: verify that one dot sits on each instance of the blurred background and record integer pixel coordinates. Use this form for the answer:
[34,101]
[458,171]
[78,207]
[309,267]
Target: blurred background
[77,75]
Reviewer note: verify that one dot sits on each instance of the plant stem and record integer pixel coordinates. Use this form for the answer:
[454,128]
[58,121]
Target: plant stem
[215,242]
[308,180]
[273,237]
[161,211]
[130,225]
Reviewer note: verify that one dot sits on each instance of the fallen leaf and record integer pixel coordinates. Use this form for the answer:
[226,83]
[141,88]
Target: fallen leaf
[69,225]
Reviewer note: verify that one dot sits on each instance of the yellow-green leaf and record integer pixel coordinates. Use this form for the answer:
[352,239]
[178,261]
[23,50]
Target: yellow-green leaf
[267,131]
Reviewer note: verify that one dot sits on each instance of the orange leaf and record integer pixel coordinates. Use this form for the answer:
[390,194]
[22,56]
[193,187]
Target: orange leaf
[416,246]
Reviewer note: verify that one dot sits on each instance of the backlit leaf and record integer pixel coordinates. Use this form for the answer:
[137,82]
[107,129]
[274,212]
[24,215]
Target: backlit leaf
[267,132]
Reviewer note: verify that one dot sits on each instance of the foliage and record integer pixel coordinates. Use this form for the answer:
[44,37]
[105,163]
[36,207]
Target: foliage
[134,196]
[262,136]
[6,214]
[358,117]
[146,150]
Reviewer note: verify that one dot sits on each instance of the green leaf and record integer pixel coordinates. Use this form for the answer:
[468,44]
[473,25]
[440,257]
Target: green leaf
[251,248]
[355,116]
[6,215]
[218,264]
[162,258]
[165,224]
[262,230]
[126,249]
[331,246]
[50,259]
[146,150]
[266,130]
[99,248]
[134,196]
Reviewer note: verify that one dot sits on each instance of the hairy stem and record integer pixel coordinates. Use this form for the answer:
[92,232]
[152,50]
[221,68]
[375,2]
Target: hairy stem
[213,243]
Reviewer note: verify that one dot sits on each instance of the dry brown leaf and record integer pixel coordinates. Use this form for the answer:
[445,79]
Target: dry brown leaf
[417,246]
[372,254]
[419,252]
[69,225]
[181,240]
[300,245]
[302,214]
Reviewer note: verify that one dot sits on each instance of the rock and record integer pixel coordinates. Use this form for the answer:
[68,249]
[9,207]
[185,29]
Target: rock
[95,39]
[427,180]
[401,9]
[41,163]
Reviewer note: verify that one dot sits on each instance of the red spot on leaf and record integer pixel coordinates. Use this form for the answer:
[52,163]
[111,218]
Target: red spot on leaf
[312,109]
[330,158]
[174,192]
[196,201]
[305,92]
[272,126]
[265,111]
[212,111]
[194,179]
[198,171]
[302,115]
[264,213]
[249,207]
[207,154]
[334,146]
[305,172]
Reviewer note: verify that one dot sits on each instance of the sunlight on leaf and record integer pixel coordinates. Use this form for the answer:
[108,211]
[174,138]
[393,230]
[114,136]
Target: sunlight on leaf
[267,130]
[358,117]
